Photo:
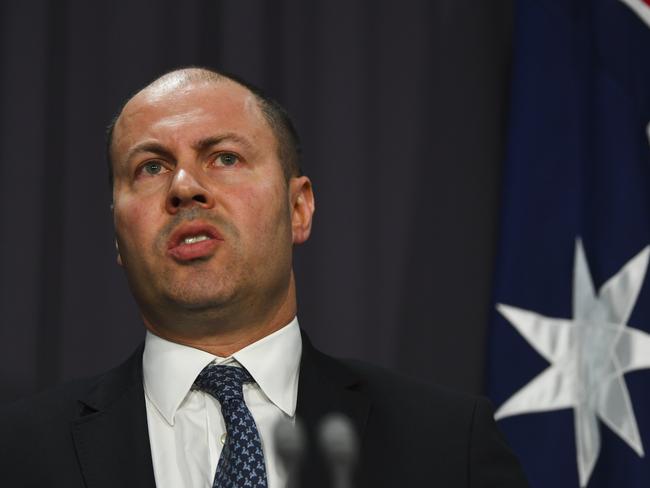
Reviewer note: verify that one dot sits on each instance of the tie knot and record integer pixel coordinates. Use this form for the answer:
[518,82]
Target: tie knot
[223,382]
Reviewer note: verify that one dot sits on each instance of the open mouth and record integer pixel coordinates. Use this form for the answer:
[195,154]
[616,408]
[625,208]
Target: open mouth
[195,239]
[192,241]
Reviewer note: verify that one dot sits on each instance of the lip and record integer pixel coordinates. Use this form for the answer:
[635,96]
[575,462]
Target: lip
[188,252]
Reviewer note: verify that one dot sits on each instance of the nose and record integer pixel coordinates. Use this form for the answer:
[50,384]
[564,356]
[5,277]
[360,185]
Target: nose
[186,190]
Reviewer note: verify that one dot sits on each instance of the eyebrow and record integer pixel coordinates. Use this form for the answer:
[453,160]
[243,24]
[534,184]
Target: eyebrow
[150,147]
[207,142]
[199,146]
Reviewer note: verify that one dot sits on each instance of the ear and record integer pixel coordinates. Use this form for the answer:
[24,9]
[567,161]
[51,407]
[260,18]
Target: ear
[119,256]
[302,208]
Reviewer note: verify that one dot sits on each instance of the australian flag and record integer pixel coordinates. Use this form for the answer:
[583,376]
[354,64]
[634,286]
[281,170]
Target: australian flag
[569,339]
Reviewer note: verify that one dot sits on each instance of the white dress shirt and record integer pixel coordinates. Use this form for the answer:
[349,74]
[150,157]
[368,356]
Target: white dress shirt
[186,426]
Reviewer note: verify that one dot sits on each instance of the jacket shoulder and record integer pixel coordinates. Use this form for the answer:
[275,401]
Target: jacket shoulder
[41,434]
[455,431]
[61,404]
[54,402]
[391,387]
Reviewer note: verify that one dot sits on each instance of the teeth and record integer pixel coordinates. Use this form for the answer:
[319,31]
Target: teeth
[193,239]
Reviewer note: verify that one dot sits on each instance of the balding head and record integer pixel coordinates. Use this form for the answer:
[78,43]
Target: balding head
[181,78]
[288,142]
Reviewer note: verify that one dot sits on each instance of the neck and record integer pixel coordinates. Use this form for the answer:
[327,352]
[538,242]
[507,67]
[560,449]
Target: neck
[228,334]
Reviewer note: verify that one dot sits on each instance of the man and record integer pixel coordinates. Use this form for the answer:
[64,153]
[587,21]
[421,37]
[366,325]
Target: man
[208,201]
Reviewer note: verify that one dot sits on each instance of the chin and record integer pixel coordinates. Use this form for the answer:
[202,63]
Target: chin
[199,289]
[198,300]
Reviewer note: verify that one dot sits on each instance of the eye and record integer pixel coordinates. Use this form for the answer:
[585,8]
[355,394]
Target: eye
[152,168]
[227,159]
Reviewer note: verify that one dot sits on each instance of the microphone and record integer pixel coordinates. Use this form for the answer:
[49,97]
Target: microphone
[338,441]
[290,446]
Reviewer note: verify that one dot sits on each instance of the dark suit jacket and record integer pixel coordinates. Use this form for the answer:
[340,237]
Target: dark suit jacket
[93,433]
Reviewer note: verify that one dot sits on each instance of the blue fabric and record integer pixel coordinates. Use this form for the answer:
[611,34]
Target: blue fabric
[577,166]
[242,460]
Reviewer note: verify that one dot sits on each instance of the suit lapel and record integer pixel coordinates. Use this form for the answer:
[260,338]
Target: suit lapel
[111,435]
[326,386]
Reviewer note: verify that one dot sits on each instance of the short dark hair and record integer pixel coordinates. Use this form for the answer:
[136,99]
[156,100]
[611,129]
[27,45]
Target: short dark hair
[289,149]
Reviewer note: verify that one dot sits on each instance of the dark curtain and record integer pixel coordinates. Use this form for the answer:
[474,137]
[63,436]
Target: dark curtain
[401,109]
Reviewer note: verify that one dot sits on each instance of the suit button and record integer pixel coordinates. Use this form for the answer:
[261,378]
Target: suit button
[223,438]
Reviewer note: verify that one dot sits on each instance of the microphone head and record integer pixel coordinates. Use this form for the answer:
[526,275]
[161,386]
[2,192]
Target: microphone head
[290,443]
[337,439]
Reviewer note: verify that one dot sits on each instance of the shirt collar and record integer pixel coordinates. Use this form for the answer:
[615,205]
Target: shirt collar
[274,363]
[169,369]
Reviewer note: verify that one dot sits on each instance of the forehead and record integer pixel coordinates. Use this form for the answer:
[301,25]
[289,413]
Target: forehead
[174,112]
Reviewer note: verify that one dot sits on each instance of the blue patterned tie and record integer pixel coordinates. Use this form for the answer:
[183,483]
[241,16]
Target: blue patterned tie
[242,461]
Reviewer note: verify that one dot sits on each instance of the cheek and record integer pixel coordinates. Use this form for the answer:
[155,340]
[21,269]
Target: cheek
[264,209]
[133,222]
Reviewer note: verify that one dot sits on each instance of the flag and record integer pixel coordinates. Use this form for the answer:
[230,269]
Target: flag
[569,339]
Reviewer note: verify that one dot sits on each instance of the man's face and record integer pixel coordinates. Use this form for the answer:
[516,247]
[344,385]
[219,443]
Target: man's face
[204,217]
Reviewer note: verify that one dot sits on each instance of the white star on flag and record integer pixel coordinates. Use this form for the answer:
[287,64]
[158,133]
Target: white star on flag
[641,8]
[589,354]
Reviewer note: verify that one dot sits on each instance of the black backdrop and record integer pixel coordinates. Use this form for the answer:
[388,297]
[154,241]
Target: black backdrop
[401,106]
